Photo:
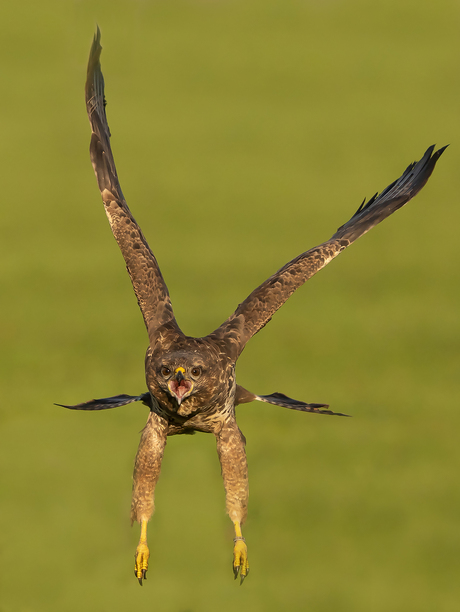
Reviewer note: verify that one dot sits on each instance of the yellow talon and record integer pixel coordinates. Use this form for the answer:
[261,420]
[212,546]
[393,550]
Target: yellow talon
[142,555]
[240,559]
[142,562]
[240,554]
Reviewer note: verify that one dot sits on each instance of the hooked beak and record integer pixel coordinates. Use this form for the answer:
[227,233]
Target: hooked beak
[179,386]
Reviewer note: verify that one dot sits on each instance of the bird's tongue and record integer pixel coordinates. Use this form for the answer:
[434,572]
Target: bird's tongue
[180,389]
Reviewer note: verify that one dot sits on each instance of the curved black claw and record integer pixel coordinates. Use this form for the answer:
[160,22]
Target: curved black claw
[143,577]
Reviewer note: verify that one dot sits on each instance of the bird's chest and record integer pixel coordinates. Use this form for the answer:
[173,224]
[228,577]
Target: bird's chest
[211,421]
[193,416]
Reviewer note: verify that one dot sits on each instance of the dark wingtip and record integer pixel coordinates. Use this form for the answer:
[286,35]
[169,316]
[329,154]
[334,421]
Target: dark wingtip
[425,167]
[393,197]
[111,402]
[440,151]
[95,53]
[279,399]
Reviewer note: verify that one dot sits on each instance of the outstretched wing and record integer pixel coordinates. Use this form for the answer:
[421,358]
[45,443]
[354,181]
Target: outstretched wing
[148,283]
[112,402]
[258,308]
[243,396]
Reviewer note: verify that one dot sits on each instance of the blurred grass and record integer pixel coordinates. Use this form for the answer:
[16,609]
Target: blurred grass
[244,133]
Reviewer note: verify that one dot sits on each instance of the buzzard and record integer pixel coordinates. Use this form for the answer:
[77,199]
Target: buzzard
[191,381]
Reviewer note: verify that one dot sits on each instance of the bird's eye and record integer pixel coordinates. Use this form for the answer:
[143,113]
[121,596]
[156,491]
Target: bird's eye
[196,372]
[165,371]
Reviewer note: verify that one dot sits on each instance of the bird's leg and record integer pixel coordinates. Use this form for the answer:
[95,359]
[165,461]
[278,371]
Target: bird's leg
[232,456]
[146,472]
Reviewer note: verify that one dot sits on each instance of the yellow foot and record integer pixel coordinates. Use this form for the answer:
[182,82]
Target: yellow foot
[142,562]
[240,559]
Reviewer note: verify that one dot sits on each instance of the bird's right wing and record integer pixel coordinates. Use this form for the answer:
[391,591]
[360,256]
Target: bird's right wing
[148,283]
[112,402]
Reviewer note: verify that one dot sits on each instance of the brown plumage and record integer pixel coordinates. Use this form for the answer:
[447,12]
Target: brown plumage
[191,381]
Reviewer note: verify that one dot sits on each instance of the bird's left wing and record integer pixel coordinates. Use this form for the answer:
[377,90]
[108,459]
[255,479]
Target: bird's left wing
[148,283]
[243,396]
[258,308]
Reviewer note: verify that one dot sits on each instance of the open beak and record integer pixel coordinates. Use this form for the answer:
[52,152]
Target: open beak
[179,386]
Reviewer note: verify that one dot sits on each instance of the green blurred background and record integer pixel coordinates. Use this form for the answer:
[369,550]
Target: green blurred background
[245,132]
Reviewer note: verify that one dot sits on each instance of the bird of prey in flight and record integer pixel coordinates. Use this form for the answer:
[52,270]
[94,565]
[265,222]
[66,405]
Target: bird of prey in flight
[191,381]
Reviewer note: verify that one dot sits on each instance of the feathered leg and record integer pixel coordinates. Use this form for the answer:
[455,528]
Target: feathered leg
[232,456]
[146,472]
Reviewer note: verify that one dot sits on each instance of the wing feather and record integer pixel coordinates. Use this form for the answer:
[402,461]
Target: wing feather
[257,309]
[243,396]
[111,402]
[147,280]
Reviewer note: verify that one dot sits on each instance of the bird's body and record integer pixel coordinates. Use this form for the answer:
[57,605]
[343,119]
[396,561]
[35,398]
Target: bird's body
[191,381]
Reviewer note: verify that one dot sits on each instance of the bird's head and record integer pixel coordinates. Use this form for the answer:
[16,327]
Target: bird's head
[181,379]
[192,375]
